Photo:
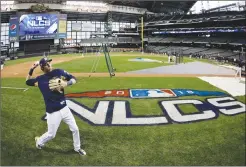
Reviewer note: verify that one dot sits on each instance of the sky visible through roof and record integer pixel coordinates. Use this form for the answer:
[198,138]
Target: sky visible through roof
[199,5]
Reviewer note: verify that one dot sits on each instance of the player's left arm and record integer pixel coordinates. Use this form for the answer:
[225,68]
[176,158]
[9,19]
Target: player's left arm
[65,80]
[69,78]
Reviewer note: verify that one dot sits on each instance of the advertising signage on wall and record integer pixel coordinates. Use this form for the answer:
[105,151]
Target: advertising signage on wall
[39,26]
[13,28]
[62,28]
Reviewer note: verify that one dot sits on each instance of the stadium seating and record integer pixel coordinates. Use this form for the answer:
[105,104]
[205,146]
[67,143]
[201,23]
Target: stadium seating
[196,40]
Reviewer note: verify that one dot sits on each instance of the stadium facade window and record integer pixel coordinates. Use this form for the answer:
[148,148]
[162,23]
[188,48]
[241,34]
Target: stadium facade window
[69,25]
[87,27]
[88,35]
[5,33]
[102,27]
[69,34]
[132,25]
[79,34]
[73,35]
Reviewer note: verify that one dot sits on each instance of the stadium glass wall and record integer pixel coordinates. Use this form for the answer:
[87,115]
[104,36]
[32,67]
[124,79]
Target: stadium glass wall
[87,27]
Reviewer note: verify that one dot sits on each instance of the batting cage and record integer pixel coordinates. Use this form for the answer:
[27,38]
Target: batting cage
[103,48]
[110,67]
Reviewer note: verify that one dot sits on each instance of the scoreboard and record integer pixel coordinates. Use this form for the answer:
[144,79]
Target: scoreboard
[37,26]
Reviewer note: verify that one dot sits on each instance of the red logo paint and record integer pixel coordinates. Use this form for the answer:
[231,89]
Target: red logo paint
[100,94]
[13,27]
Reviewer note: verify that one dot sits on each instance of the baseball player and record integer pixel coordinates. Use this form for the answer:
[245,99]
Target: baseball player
[52,84]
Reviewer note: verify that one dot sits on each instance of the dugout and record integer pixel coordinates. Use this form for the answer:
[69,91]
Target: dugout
[35,46]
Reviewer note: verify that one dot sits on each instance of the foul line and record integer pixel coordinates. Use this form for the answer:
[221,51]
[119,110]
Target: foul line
[24,89]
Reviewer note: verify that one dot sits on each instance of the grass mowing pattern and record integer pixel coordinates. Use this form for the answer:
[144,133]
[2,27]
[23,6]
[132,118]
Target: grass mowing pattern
[120,63]
[215,142]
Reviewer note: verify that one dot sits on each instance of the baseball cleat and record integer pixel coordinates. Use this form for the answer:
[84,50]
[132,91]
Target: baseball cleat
[37,145]
[81,152]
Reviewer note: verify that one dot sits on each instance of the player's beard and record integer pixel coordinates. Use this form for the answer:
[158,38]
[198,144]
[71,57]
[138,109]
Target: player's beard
[47,69]
[50,67]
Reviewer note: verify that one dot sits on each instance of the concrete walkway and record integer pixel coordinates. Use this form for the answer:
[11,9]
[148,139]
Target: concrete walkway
[232,85]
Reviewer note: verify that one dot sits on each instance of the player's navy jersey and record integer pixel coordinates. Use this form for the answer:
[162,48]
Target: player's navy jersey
[54,100]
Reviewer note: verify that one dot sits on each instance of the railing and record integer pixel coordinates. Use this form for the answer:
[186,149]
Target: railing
[213,40]
[110,40]
[196,17]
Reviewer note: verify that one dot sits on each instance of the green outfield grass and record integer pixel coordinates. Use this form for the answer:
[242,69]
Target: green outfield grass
[119,61]
[213,142]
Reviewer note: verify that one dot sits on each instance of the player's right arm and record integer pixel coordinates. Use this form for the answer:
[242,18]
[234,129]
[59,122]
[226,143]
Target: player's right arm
[29,80]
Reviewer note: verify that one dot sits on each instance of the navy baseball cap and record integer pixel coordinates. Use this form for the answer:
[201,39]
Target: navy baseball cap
[44,61]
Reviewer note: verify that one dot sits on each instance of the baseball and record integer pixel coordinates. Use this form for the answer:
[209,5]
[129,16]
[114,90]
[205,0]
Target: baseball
[36,63]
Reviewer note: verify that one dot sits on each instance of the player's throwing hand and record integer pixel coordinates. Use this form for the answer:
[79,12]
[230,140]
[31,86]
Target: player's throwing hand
[35,64]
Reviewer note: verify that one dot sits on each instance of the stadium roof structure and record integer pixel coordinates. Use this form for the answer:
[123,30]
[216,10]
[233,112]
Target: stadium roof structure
[152,6]
[116,16]
[41,1]
[156,6]
[163,7]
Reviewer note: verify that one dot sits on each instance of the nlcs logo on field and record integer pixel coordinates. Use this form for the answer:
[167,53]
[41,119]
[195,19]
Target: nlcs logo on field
[119,113]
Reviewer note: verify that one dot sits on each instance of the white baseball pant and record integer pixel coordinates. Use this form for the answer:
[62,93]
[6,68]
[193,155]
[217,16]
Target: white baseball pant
[53,121]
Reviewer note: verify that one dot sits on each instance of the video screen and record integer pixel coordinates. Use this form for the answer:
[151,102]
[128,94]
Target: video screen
[38,25]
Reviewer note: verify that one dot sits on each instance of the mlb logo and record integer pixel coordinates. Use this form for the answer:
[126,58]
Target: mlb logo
[39,18]
[151,93]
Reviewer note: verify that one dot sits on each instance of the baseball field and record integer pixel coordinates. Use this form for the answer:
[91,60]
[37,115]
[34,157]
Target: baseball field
[217,140]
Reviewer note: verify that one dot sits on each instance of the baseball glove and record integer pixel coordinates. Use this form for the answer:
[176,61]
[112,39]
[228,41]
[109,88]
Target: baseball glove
[57,84]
